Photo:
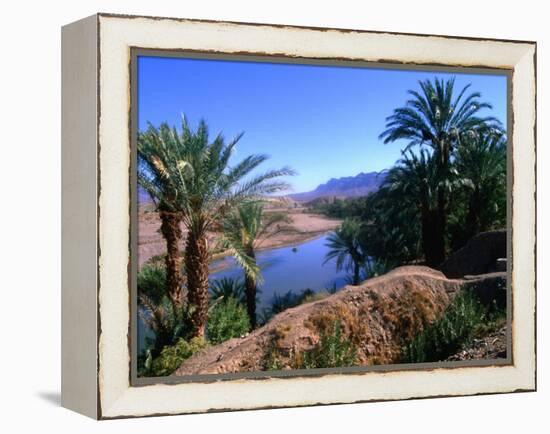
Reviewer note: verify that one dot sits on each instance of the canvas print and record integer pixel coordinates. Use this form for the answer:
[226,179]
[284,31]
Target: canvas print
[297,217]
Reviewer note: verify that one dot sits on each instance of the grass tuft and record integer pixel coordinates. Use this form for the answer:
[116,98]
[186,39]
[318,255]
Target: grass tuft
[332,351]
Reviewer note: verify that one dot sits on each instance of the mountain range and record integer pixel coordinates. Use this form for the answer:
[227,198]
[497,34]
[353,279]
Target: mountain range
[348,186]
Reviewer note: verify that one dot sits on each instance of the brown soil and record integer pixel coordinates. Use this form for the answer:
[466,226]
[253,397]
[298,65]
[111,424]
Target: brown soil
[378,315]
[305,226]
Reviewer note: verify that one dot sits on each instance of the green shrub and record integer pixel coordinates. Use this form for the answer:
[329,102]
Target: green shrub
[171,357]
[227,319]
[333,351]
[448,334]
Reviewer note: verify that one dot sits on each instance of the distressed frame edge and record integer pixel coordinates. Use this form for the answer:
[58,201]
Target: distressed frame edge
[412,397]
[305,27]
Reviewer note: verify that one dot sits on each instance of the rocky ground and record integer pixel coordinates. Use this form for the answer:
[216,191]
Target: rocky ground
[492,346]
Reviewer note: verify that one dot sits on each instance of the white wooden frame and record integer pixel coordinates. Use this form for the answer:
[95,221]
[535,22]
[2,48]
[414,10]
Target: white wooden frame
[96,217]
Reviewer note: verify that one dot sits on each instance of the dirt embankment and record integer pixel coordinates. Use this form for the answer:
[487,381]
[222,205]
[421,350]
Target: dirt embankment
[377,315]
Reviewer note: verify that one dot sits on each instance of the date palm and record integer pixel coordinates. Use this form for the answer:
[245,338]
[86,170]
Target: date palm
[412,184]
[159,175]
[244,231]
[482,162]
[208,187]
[391,226]
[436,118]
[346,247]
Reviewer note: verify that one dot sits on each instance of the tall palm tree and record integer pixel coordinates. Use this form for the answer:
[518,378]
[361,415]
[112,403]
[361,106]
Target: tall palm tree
[345,245]
[244,230]
[435,118]
[413,183]
[391,227]
[159,174]
[208,188]
[482,162]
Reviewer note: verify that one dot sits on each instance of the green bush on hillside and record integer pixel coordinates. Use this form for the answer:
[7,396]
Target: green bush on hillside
[447,335]
[227,319]
[332,351]
[171,357]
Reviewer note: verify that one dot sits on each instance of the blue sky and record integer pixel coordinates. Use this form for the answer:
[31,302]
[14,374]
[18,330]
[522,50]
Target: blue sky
[323,121]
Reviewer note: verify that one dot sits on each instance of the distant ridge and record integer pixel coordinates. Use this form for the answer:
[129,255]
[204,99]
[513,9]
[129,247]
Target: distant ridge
[348,186]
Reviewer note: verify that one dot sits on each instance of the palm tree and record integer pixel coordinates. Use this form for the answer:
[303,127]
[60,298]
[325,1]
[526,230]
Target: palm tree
[244,230]
[482,162]
[159,174]
[227,288]
[208,188]
[391,226]
[437,119]
[346,247]
[413,183]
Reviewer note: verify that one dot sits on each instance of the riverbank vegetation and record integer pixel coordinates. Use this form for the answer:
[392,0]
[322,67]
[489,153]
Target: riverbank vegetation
[449,185]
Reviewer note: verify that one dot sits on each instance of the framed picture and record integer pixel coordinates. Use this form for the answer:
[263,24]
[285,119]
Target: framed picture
[262,216]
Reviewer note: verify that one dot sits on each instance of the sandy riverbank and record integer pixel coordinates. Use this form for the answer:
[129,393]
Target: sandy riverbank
[306,226]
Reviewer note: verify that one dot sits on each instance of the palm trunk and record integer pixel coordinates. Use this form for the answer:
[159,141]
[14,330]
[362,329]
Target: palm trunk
[440,227]
[250,288]
[356,273]
[196,267]
[472,219]
[441,218]
[171,231]
[429,241]
[250,293]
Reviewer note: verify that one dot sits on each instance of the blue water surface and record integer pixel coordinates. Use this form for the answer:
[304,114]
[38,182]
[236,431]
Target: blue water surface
[293,268]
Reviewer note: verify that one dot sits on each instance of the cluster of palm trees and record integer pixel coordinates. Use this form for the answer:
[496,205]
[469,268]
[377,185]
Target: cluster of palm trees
[462,156]
[194,185]
[449,185]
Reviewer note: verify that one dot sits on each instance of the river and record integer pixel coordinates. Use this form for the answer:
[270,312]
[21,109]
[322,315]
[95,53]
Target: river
[293,268]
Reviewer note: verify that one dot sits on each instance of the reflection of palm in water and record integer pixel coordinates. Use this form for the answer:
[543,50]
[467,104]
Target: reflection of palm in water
[265,265]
